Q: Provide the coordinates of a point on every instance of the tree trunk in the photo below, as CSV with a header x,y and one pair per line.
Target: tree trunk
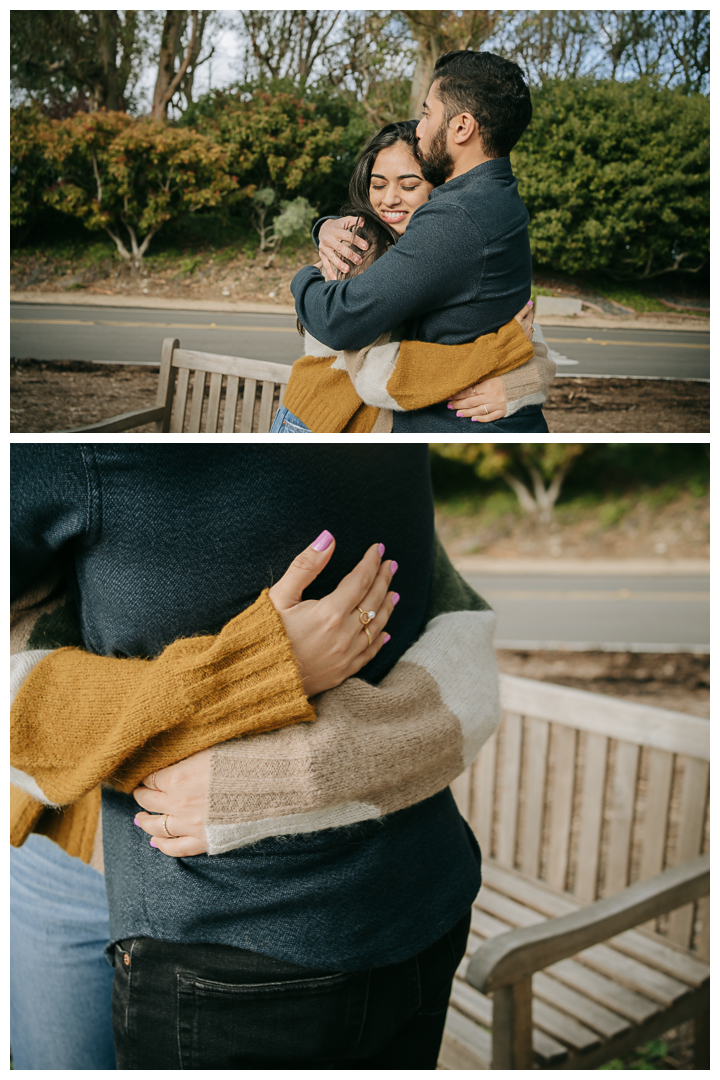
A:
x,y
168,80
107,43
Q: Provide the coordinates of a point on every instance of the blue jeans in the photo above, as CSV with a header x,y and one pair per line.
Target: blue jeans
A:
x,y
60,982
286,423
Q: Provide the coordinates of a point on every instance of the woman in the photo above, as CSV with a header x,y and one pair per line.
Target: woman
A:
x,y
387,187
325,908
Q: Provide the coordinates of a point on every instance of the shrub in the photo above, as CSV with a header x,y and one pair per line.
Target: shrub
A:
x,y
616,178
125,176
273,139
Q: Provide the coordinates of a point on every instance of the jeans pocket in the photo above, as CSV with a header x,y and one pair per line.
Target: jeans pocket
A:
x,y
230,1025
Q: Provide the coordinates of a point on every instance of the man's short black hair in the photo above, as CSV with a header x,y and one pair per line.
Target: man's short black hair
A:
x,y
491,89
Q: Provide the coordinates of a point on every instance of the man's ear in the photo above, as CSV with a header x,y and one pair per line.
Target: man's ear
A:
x,y
463,127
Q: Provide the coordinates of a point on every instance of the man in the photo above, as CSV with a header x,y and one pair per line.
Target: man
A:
x,y
463,266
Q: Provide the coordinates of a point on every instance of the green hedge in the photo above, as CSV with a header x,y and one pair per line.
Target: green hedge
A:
x,y
616,178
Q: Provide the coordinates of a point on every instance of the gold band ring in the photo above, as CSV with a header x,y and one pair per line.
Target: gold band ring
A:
x,y
169,835
366,616
151,782
487,411
369,635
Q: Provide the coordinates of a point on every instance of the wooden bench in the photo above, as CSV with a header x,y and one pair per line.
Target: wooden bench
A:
x,y
256,386
590,934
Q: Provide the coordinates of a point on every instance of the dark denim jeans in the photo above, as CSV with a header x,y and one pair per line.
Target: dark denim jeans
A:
x,y
217,1007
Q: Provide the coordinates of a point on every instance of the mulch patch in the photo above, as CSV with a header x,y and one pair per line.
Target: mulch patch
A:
x,y
55,395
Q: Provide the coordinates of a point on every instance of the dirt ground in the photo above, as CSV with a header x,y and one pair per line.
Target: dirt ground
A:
x,y
57,395
619,405
678,681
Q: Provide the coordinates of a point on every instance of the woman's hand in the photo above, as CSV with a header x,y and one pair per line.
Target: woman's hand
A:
x,y
334,237
327,636
484,402
177,800
526,318
330,644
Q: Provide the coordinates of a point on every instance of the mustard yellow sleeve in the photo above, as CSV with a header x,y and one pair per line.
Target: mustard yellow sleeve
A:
x,y
426,373
80,719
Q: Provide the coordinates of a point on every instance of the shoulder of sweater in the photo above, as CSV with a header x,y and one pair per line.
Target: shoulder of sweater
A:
x,y
456,218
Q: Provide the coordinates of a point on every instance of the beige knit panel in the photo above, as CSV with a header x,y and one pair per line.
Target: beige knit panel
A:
x,y
531,378
45,596
369,745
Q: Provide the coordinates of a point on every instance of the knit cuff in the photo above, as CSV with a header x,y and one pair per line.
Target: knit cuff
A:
x,y
248,677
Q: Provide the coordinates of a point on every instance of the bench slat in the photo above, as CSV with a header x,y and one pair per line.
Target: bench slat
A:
x,y
602,1020
657,805
621,811
563,745
508,784
690,838
196,403
483,798
266,402
598,987
592,801
231,400
464,1045
535,751
177,422
248,405
213,407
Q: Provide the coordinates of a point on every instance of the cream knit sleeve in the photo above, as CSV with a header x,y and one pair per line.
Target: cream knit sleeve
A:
x,y
529,384
372,750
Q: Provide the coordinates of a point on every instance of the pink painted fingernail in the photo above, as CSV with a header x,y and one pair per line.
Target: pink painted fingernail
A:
x,y
323,541
381,550
474,419
153,842
135,821
449,404
393,567
395,597
459,414
529,303
386,638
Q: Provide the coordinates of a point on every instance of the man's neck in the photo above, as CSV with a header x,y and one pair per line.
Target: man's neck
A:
x,y
467,161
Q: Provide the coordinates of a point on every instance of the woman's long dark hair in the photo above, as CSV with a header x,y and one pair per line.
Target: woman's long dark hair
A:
x,y
359,191
378,234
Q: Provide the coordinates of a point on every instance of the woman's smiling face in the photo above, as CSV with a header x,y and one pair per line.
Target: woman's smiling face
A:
x,y
397,187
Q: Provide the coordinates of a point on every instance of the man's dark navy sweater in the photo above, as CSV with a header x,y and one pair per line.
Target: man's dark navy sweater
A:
x,y
170,540
461,269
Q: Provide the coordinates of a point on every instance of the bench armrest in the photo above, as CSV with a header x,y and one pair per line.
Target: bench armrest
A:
x,y
125,421
509,958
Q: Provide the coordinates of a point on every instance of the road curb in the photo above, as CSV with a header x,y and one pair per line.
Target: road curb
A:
x,y
159,303
153,302
611,322
484,564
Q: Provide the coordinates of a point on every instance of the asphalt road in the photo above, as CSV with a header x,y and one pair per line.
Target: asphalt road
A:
x,y
574,611
674,354
134,335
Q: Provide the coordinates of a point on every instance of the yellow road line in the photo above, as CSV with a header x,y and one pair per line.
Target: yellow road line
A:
x,y
616,594
156,325
640,344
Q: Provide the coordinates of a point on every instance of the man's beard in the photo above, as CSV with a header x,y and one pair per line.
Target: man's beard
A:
x,y
436,165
